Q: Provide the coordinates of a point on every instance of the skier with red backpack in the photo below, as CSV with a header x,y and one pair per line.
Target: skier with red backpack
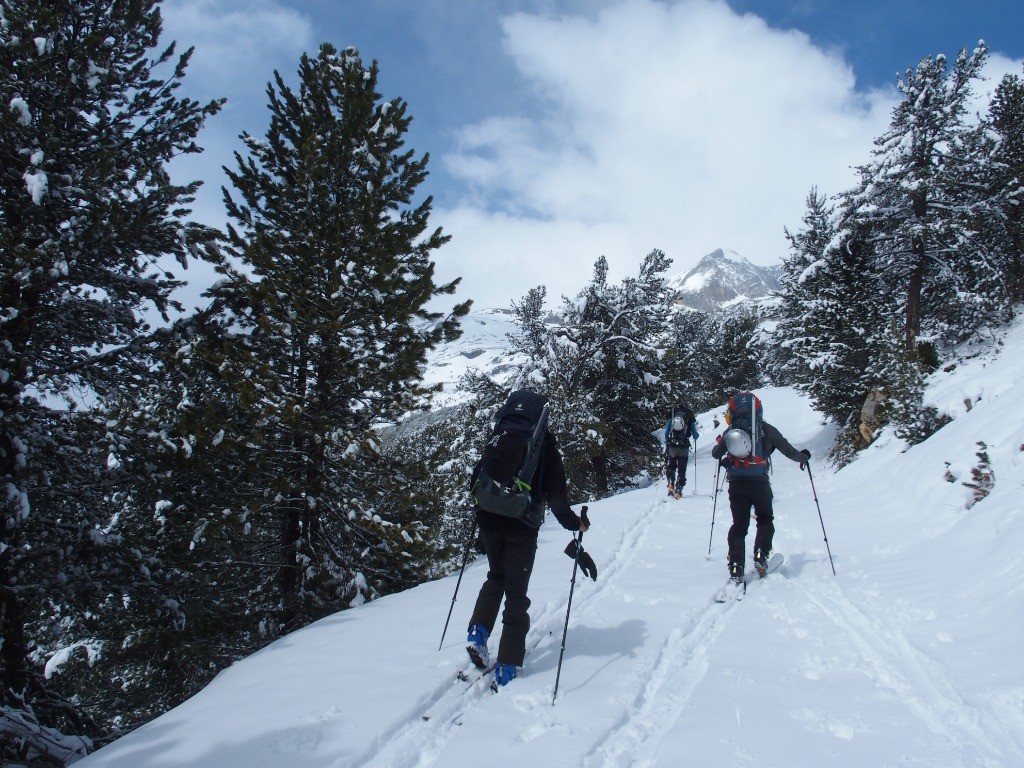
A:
x,y
745,450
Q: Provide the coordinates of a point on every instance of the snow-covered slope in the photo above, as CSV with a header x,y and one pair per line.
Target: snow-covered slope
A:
x,y
909,655
483,346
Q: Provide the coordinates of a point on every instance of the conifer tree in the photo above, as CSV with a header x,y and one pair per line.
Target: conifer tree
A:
x,y
899,376
910,198
629,389
690,367
1006,172
840,327
322,335
801,285
738,353
88,217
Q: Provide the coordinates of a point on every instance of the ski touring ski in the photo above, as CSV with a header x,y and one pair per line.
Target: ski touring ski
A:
x,y
471,677
737,589
474,674
734,589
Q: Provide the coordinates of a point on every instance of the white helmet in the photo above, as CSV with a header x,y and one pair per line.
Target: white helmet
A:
x,y
737,442
677,423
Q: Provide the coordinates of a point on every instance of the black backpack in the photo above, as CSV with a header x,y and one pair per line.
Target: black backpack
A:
x,y
509,460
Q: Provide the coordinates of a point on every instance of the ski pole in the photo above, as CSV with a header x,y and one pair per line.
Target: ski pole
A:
x,y
572,586
695,466
713,505
815,492
465,559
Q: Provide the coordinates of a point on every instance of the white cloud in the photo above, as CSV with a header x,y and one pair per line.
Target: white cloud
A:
x,y
682,126
996,68
238,44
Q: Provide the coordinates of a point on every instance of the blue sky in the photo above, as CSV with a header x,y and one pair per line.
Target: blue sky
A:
x,y
563,130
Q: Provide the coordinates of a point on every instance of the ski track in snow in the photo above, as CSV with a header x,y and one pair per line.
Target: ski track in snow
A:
x,y
893,663
664,689
664,683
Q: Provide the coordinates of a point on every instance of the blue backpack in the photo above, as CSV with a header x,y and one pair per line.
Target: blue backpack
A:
x,y
744,439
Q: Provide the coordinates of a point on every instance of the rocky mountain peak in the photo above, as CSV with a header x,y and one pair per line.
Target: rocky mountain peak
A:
x,y
722,278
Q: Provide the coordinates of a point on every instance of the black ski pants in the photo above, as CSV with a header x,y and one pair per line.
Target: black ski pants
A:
x,y
676,459
511,547
746,494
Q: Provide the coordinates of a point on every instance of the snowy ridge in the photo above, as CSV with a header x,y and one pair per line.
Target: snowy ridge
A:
x,y
483,346
908,656
723,278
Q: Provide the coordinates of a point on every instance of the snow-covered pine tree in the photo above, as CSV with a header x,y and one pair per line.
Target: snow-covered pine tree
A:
x,y
839,326
909,198
531,342
895,372
562,359
326,329
629,389
189,618
800,292
689,366
1006,175
448,443
736,361
977,192
88,218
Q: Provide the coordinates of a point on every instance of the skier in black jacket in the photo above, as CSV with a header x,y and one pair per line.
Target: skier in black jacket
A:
x,y
746,492
511,545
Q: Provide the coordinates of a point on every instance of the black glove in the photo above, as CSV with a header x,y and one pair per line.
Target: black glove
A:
x,y
586,562
587,565
807,457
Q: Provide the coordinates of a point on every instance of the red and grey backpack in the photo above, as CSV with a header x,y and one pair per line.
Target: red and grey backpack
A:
x,y
744,440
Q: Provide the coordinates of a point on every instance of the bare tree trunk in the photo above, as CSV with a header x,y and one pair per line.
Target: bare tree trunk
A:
x,y
914,287
600,465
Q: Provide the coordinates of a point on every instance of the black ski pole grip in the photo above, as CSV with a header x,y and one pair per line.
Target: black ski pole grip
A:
x,y
583,516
